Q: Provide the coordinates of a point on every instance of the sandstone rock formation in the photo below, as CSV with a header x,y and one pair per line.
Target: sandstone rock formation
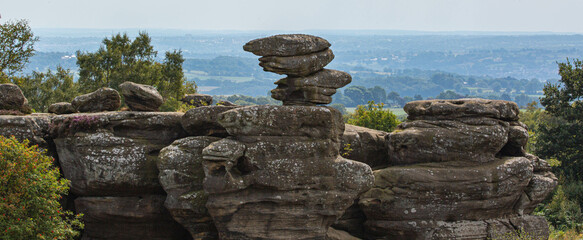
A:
x,y
302,57
12,98
280,176
202,121
197,100
458,171
62,108
140,97
103,99
365,145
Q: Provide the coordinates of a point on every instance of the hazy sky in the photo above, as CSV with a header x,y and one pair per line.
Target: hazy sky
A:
x,y
424,15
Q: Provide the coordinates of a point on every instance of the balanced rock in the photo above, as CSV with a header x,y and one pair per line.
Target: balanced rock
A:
x,y
280,175
12,98
140,97
181,176
197,100
302,65
104,99
317,88
203,121
286,45
62,108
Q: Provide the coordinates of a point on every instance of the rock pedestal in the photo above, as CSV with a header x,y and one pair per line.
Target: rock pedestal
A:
x,y
458,171
280,175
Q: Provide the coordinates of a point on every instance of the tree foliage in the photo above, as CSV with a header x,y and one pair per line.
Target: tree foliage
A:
x,y
16,47
120,59
374,116
44,89
30,189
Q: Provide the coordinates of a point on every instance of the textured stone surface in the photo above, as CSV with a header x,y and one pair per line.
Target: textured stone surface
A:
x,y
470,139
103,99
12,98
286,45
266,120
181,176
117,156
33,127
317,88
140,97
470,107
272,180
335,234
365,145
197,99
517,139
302,65
62,108
140,217
202,121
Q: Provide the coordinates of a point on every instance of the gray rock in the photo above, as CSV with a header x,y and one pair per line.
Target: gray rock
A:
x,y
33,128
317,88
181,176
365,145
12,98
140,217
517,139
62,108
335,234
197,100
302,65
202,121
104,99
460,108
286,45
141,97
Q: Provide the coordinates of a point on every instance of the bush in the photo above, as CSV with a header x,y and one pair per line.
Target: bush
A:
x,y
374,116
30,189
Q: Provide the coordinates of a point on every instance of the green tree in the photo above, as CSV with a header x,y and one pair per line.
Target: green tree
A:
x,y
16,47
120,59
374,116
561,137
30,189
44,89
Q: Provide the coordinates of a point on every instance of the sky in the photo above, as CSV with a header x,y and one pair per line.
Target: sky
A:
x,y
563,16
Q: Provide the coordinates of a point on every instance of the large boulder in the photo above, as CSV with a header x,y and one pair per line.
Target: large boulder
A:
x,y
203,121
181,175
302,65
140,97
286,45
12,98
103,99
460,108
62,108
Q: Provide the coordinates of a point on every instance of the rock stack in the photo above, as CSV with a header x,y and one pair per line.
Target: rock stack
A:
x,y
459,171
302,58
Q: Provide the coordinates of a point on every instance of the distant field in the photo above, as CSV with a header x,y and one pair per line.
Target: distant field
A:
x,y
397,111
191,76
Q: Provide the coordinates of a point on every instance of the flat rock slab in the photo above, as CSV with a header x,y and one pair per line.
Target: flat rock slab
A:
x,y
469,107
302,65
286,45
140,97
62,108
104,99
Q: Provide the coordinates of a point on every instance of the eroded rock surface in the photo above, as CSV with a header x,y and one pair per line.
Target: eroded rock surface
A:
x,y
103,99
62,108
140,97
197,100
12,98
203,121
286,45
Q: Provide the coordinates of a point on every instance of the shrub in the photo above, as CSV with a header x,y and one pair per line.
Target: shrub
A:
x,y
30,189
374,116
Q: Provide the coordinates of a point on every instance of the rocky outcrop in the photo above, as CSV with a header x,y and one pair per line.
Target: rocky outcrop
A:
x,y
33,128
365,145
280,176
302,58
103,99
458,168
111,159
12,98
62,108
202,121
197,100
140,97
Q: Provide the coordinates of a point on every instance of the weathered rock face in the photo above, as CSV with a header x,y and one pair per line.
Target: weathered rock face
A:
x,y
62,108
181,176
202,121
317,88
459,170
302,65
104,99
33,127
12,98
286,45
141,97
365,145
197,100
273,180
111,160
